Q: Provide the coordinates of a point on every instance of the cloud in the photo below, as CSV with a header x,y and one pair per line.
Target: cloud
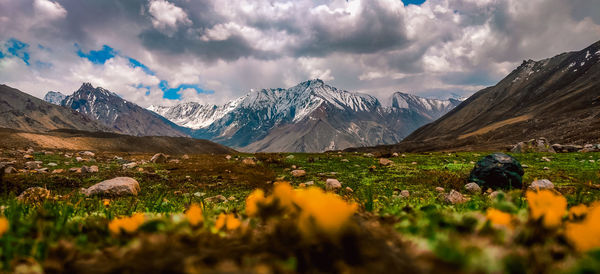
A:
x,y
166,16
231,46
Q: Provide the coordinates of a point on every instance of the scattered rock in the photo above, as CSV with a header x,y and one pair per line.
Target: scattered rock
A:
x,y
348,189
385,162
34,195
566,148
404,194
75,169
497,171
228,157
395,154
290,157
541,184
10,170
368,155
231,198
533,145
185,157
248,162
455,197
524,166
87,153
42,170
332,184
439,189
345,160
175,161
58,171
473,188
546,168
495,194
118,186
159,158
310,183
546,159
52,164
413,163
298,173
294,167
32,165
79,159
129,165
216,199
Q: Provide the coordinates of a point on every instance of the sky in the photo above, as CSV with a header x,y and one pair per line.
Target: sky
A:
x,y
164,52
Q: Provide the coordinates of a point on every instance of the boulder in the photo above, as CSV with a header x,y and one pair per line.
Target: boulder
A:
x,y
159,158
473,188
34,195
385,162
332,184
455,197
298,173
248,162
541,184
118,186
534,145
497,171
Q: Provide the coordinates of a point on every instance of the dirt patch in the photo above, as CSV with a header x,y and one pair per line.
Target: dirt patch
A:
x,y
495,126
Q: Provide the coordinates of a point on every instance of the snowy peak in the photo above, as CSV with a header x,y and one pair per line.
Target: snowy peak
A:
x,y
54,97
433,108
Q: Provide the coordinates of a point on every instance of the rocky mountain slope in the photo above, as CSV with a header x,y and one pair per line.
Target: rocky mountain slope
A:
x,y
557,98
309,117
22,111
115,112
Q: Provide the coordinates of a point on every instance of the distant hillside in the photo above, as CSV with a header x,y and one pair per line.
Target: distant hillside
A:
x,y
19,110
557,98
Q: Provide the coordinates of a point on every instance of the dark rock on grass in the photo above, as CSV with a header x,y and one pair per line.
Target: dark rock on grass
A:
x,y
498,171
114,187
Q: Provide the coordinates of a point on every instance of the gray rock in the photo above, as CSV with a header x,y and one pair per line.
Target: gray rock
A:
x,y
473,188
439,189
298,173
541,184
129,165
332,184
32,165
87,153
216,199
385,162
404,193
497,171
118,186
52,164
159,158
455,197
10,170
310,183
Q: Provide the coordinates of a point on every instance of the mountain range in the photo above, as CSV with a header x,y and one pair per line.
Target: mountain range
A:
x,y
309,117
557,98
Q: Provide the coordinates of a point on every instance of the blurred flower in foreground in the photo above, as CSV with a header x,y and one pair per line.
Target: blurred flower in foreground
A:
x,y
252,202
127,224
585,235
547,205
194,215
106,202
3,225
577,211
498,217
227,221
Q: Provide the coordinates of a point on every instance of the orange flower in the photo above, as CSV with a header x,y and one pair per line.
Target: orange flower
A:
x,y
254,199
127,224
322,211
547,205
4,225
585,235
194,215
227,221
577,211
106,202
499,218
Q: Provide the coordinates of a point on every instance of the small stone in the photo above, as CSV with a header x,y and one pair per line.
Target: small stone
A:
x,y
332,184
42,170
79,159
231,198
546,168
524,166
404,193
216,199
298,173
368,155
290,157
455,197
75,169
58,171
546,159
185,157
227,157
32,165
294,167
395,154
87,153
348,189
541,184
385,162
199,194
495,194
248,162
10,170
93,169
114,187
52,164
473,188
439,189
159,158
85,169
310,183
414,163
129,165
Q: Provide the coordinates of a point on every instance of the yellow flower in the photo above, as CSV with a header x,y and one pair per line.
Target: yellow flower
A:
x,y
498,217
228,221
547,205
284,193
4,225
585,235
106,202
256,197
127,224
577,211
194,215
322,211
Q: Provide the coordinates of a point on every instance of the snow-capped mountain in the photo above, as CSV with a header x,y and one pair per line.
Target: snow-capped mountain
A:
x,y
309,117
54,97
113,111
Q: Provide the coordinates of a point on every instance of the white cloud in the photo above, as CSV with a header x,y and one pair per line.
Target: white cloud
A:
x,y
49,9
166,16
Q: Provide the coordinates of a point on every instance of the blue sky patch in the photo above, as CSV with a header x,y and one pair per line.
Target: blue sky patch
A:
x,y
18,49
98,57
413,2
173,93
135,64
